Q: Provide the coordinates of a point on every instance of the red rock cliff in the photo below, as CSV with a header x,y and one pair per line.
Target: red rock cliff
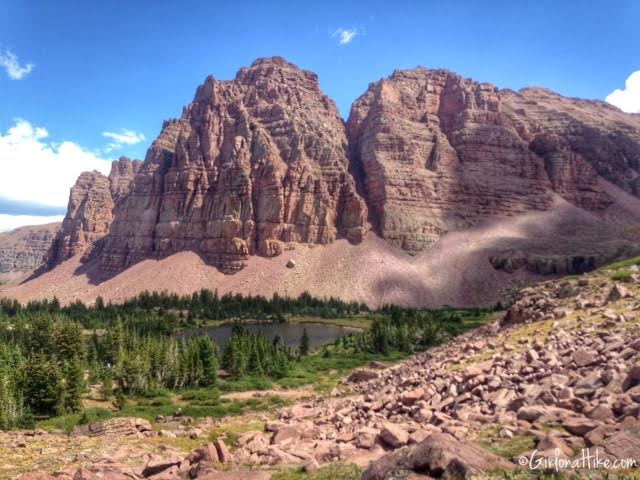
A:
x,y
440,152
263,162
253,166
92,201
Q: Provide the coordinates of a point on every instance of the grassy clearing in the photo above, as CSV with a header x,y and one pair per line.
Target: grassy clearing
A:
x,y
245,384
508,448
361,322
232,430
324,370
621,275
333,471
149,408
622,264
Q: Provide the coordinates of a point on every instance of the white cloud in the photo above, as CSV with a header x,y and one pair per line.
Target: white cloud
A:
x,y
627,100
346,35
125,137
12,66
11,222
36,170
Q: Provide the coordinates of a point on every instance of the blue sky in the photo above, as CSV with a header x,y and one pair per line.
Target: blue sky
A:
x,y
121,68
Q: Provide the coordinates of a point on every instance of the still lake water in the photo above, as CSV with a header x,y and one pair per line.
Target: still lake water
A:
x,y
290,333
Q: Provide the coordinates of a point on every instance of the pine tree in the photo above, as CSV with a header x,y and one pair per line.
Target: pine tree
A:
x,y
67,340
42,381
74,385
40,338
107,385
379,337
120,400
304,343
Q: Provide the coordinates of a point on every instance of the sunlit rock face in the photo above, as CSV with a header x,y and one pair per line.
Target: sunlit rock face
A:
x,y
262,163
253,166
440,152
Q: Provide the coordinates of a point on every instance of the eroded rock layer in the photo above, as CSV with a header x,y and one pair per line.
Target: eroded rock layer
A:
x,y
92,201
263,162
252,166
26,248
439,152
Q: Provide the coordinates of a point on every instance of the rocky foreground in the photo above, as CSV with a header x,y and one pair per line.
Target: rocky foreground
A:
x,y
558,374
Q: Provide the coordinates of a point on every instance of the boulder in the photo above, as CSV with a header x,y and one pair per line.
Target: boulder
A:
x,y
584,357
394,435
617,292
124,426
206,453
362,375
440,455
632,378
412,396
580,426
625,443
224,454
158,464
288,434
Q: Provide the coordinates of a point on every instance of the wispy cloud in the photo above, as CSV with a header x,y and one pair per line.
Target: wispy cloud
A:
x,y
627,100
346,35
125,137
12,65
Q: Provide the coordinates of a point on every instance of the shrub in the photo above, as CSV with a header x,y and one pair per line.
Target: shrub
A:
x,y
621,275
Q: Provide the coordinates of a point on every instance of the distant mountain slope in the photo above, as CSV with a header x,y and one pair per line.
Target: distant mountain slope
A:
x,y
25,248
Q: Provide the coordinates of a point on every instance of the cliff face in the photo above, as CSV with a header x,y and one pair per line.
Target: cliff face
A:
x,y
253,166
90,212
263,162
440,152
26,248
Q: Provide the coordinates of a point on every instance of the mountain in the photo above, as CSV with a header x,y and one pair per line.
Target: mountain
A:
x,y
90,212
25,249
252,166
440,152
438,189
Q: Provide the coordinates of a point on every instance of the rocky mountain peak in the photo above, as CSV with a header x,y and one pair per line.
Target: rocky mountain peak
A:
x,y
440,152
122,172
261,163
254,165
90,211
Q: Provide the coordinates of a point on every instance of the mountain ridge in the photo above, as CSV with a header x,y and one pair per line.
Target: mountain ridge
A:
x,y
263,164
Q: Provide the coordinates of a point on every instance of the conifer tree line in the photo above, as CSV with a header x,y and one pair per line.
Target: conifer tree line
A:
x,y
409,330
255,355
50,353
46,362
41,367
202,305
